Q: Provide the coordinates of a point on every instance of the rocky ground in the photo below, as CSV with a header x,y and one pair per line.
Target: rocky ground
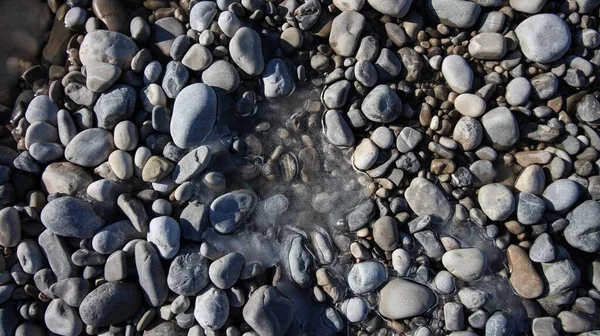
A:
x,y
379,167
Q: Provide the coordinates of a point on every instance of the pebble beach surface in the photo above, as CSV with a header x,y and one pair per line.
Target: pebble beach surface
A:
x,y
317,167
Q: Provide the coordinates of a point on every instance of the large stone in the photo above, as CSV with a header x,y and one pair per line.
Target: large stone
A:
x,y
457,73
415,298
71,217
10,227
543,38
153,280
382,105
90,147
345,32
393,8
246,51
188,273
468,264
455,13
111,303
212,308
583,231
501,128
366,276
496,201
268,312
425,198
524,279
115,105
194,115
107,47
229,211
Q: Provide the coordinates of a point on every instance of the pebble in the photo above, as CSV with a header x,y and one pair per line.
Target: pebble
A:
x,y
10,227
346,29
30,256
344,5
499,324
401,261
524,279
246,51
230,210
496,201
388,65
337,130
156,168
355,309
560,195
110,303
588,110
212,308
365,73
468,264
472,298
543,38
542,250
455,13
408,139
164,233
115,268
470,105
425,198
560,276
468,132
202,14
531,180
121,164
71,217
194,221
58,254
221,75
444,282
115,236
396,9
164,33
457,73
385,233
501,128
300,262
90,147
152,278
487,46
72,290
40,132
188,273
62,319
42,108
366,276
224,272
194,115
382,105
530,208
197,58
365,155
112,13
547,326
46,152
518,91
229,23
101,76
358,217
584,227
307,14
175,78
278,79
266,311
107,47
529,7
416,299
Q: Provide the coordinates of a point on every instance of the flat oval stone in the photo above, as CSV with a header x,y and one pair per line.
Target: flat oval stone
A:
x,y
90,147
246,51
42,108
153,280
337,130
365,155
194,115
393,8
192,164
560,195
457,73
114,236
336,94
10,227
225,271
455,13
416,299
468,264
382,105
107,47
470,105
543,38
110,303
71,217
229,211
425,198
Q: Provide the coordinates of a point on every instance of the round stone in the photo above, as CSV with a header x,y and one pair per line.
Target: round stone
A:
x,y
71,217
415,297
560,195
194,115
468,264
366,276
457,73
468,132
496,201
229,211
